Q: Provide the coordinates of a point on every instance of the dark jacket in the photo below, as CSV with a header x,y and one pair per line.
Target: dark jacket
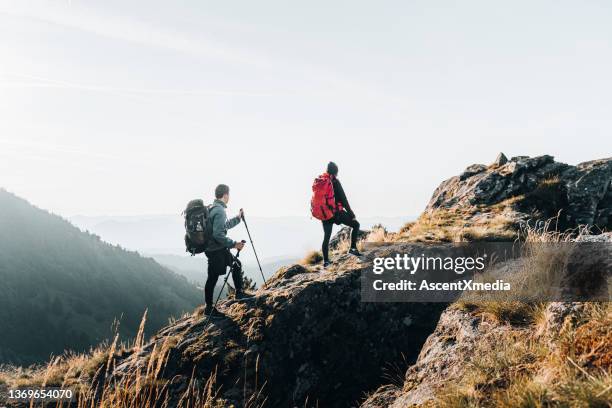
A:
x,y
341,196
220,224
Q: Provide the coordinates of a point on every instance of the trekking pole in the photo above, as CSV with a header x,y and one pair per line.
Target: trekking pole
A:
x,y
254,251
223,286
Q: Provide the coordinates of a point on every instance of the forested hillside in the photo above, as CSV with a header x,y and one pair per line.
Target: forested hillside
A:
x,y
61,288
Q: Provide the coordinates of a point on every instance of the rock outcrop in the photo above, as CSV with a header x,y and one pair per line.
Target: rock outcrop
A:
x,y
306,339
442,360
469,357
535,188
469,339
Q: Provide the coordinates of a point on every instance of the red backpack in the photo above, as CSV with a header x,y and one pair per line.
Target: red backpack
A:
x,y
323,203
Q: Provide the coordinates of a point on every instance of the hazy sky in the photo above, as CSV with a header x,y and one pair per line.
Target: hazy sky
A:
x,y
134,107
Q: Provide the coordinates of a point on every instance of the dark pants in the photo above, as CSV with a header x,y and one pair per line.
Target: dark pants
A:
x,y
341,217
218,261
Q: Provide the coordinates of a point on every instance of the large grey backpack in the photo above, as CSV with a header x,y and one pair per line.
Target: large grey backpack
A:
x,y
197,227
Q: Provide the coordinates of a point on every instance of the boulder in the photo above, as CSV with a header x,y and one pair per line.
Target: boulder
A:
x,y
500,160
472,170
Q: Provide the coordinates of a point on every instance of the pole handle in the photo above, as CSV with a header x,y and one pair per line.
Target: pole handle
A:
x,y
238,252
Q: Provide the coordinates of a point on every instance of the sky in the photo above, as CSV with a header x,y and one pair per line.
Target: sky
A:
x,y
135,107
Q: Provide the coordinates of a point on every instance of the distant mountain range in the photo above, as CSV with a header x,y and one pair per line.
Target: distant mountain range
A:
x,y
63,288
278,240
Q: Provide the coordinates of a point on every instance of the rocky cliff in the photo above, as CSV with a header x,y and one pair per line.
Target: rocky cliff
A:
x,y
560,354
306,339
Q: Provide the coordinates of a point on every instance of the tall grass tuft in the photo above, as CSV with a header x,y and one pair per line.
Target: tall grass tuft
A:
x,y
312,258
146,386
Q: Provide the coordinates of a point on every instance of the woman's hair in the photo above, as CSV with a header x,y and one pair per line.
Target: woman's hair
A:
x,y
332,168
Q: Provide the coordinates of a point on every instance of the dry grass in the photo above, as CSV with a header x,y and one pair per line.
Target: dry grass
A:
x,y
70,370
405,229
588,340
545,254
593,343
147,390
526,366
379,234
461,225
440,225
499,361
511,312
312,258
518,368
74,370
146,387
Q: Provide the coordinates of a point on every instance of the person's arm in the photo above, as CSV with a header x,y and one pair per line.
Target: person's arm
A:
x,y
220,231
341,198
232,222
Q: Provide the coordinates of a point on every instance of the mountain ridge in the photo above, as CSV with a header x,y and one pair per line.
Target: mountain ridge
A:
x,y
63,288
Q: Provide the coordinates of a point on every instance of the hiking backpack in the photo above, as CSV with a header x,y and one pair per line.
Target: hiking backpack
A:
x,y
197,228
323,202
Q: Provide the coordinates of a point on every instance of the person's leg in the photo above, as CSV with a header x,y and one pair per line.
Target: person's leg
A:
x,y
354,224
344,218
327,230
216,268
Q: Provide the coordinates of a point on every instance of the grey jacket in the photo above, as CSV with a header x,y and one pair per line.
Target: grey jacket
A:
x,y
220,224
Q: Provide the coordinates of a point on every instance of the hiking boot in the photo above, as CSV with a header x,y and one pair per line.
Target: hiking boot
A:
x,y
354,251
243,295
212,312
326,264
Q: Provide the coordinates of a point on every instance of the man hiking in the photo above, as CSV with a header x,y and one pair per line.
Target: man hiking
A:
x,y
330,205
218,250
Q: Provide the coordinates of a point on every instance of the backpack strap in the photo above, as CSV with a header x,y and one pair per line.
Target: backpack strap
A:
x,y
210,220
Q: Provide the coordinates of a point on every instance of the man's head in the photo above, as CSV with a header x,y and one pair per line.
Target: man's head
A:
x,y
332,168
222,193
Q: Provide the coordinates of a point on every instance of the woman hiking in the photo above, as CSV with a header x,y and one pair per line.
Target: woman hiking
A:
x,y
332,207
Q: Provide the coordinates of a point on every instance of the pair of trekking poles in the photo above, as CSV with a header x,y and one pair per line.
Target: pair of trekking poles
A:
x,y
237,264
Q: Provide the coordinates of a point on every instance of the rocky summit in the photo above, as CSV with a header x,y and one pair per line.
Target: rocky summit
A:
x,y
497,202
533,188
